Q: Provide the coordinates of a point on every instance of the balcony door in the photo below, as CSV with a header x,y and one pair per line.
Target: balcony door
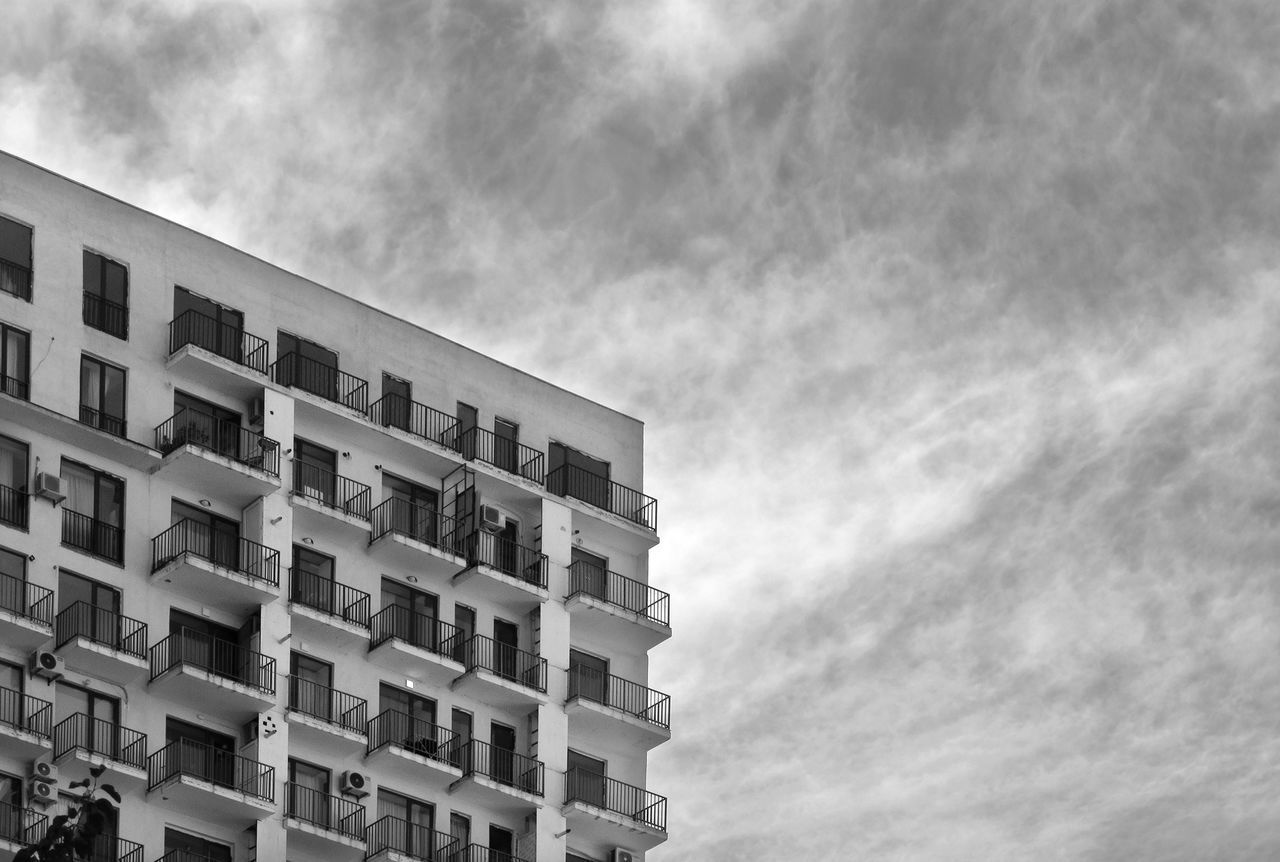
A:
x,y
501,841
460,722
416,731
98,617
309,792
583,477
460,831
15,362
415,618
417,820
313,581
214,538
590,676
13,482
467,418
506,637
464,620
587,778
396,396
310,681
98,501
11,820
202,752
313,368
414,513
13,582
208,645
502,750
193,847
98,731
212,326
506,445
315,472
205,424
590,573
102,395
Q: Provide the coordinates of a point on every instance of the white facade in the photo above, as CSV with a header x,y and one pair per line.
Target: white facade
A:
x,y
211,691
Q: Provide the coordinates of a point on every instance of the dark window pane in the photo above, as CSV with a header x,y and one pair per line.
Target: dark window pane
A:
x,y
15,243
115,286
92,273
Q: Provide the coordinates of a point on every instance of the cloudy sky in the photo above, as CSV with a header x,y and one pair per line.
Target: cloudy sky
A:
x,y
953,324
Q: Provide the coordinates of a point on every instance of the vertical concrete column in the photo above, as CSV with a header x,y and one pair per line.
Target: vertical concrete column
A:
x,y
553,725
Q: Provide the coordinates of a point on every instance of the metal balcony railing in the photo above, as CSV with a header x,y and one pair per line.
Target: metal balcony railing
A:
x,y
508,557
503,766
419,523
395,622
110,848
88,534
333,813
15,280
229,552
27,600
116,426
420,843
325,381
15,386
506,661
635,803
98,736
570,481
14,507
613,588
392,727
481,444
329,597
26,713
110,317
328,704
396,411
230,342
186,757
190,648
103,626
630,697
331,490
21,825
187,856
480,853
191,427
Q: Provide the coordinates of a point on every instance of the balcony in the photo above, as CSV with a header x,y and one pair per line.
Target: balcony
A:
x,y
598,491
329,610
221,458
601,810
26,723
417,420
395,840
502,675
322,826
19,828
14,508
412,751
499,779
116,426
415,646
480,853
95,742
215,568
219,355
26,613
101,642
504,571
91,536
191,776
417,538
17,387
15,280
325,715
480,444
209,674
105,315
604,708
109,848
336,499
323,381
598,599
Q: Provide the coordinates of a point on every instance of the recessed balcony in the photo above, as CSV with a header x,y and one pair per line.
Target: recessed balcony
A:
x,y
26,613
91,536
209,674
189,776
322,381
19,828
101,642
417,538
326,716
39,420
105,315
599,600
415,646
502,675
601,810
499,779
390,839
322,826
605,709
412,751
14,508
510,456
219,355
504,571
329,610
214,568
323,500
91,742
26,723
601,493
219,457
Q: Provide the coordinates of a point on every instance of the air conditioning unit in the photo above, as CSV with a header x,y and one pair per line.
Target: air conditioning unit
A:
x,y
491,518
49,486
256,411
620,855
355,784
47,664
42,792
44,770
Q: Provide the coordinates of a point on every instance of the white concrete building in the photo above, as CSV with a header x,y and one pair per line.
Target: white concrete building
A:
x,y
312,583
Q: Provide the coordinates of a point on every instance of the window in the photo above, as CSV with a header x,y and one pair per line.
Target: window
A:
x,y
315,472
13,582
207,535
396,397
15,259
467,418
588,573
460,829
93,513
106,295
312,582
464,620
412,722
502,749
98,731
501,841
585,778
98,615
310,684
588,676
197,422
414,512
306,365
414,616
102,396
308,793
506,445
211,646
185,846
409,830
15,362
576,474
204,323
13,483
12,823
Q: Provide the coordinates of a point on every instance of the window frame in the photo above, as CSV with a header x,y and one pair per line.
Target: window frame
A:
x,y
95,320
21,387
24,294
104,421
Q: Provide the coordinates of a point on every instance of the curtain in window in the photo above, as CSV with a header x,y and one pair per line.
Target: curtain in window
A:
x,y
78,485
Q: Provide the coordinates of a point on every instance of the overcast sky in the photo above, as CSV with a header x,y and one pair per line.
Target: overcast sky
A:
x,y
953,325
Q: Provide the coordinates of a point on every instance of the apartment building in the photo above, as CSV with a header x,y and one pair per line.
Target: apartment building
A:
x,y
310,582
